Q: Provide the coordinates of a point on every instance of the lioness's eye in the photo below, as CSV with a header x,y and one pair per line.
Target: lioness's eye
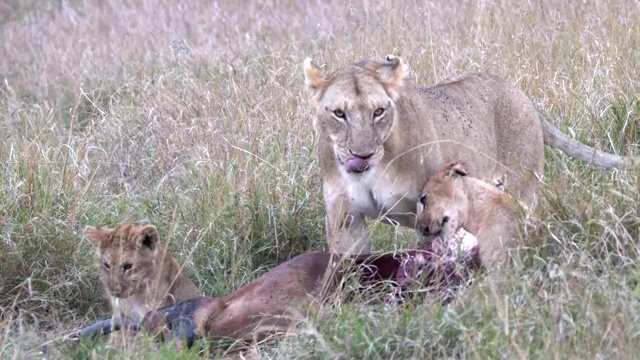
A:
x,y
423,200
127,267
106,265
378,112
338,113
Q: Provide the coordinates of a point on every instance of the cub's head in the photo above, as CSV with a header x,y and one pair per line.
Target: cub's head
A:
x,y
127,256
355,108
446,202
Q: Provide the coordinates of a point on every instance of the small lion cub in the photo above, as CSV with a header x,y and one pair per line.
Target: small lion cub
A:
x,y
137,271
454,200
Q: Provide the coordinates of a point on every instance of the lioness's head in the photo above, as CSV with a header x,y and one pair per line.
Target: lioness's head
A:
x,y
446,203
127,256
355,108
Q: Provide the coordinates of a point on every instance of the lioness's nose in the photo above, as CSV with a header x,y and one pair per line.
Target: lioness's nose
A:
x,y
116,288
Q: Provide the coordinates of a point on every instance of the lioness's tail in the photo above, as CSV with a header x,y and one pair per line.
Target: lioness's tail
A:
x,y
557,140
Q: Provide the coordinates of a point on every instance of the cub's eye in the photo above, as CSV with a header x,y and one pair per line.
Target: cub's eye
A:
x,y
423,200
127,267
378,112
339,113
106,265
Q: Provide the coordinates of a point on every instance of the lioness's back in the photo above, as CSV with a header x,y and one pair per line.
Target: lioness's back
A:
x,y
487,118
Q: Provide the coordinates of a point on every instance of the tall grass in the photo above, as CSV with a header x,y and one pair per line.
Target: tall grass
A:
x,y
191,116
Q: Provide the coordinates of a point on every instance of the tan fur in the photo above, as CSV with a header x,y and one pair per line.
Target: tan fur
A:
x,y
273,302
155,278
278,299
477,118
270,304
452,200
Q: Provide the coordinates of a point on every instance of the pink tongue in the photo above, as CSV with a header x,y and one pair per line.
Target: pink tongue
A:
x,y
356,164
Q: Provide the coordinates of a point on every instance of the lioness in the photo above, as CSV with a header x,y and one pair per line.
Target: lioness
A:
x,y
380,138
453,200
137,272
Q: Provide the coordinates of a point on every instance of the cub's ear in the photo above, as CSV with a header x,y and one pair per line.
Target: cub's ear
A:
x,y
313,81
95,234
455,169
149,237
392,73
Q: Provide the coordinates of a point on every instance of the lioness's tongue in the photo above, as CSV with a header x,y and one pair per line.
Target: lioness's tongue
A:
x,y
356,164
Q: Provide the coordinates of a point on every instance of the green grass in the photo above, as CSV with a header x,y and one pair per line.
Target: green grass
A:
x,y
192,116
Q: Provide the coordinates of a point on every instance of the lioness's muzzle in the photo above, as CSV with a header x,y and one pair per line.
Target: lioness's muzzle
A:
x,y
356,164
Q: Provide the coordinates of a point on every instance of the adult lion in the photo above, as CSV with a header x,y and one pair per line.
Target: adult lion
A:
x,y
380,138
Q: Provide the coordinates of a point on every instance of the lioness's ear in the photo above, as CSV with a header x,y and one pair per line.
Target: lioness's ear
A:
x,y
392,73
455,169
149,237
95,234
313,80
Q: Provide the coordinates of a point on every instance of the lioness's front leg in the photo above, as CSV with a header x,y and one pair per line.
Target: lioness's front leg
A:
x,y
347,231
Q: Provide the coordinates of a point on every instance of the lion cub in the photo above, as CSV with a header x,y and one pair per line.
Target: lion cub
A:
x,y
137,271
453,200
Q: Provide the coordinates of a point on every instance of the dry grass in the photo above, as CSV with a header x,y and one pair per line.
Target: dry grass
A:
x,y
191,115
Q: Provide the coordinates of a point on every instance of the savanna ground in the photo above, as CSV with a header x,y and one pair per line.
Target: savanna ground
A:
x,y
191,116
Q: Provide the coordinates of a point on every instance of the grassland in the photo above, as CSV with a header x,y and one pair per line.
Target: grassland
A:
x,y
191,115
